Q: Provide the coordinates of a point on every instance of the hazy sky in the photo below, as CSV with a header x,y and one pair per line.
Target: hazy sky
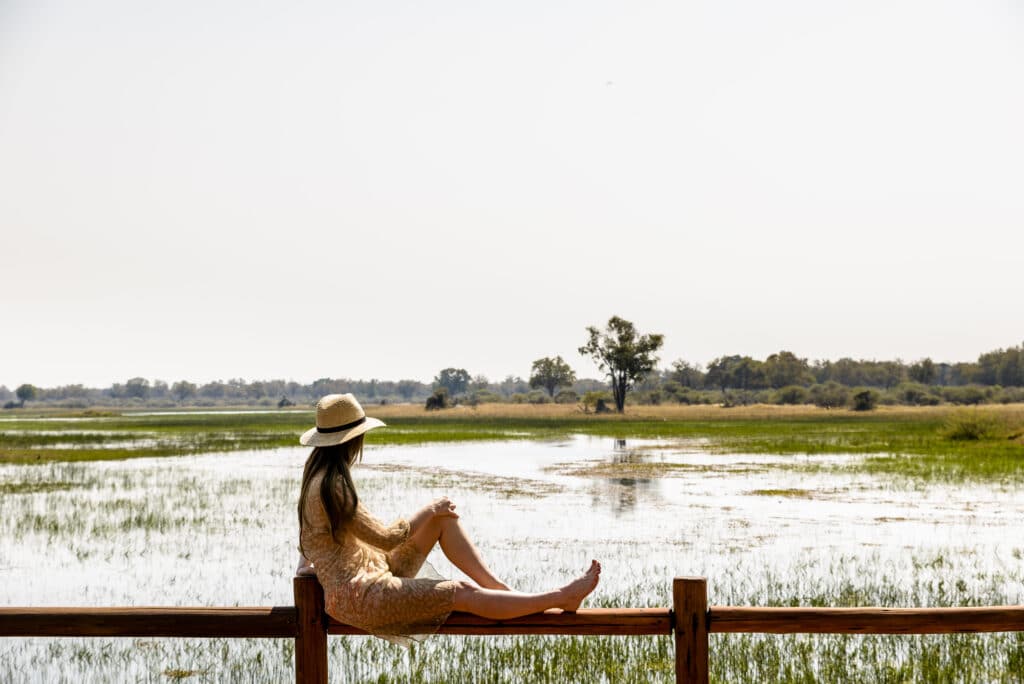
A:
x,y
301,189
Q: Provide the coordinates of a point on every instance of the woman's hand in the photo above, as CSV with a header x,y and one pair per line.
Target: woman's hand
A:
x,y
443,508
439,508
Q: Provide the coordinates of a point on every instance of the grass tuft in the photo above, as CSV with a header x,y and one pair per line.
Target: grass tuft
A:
x,y
973,425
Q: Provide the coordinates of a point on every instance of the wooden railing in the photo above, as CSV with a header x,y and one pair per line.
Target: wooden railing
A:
x,y
690,620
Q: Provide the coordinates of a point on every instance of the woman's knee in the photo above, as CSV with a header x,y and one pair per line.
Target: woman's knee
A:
x,y
447,522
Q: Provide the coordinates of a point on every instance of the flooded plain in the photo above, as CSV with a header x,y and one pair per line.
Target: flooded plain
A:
x,y
220,529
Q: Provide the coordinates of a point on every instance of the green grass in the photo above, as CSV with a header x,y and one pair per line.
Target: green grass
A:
x,y
911,443
786,493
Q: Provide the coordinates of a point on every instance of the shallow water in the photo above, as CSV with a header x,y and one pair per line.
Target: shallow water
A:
x,y
220,529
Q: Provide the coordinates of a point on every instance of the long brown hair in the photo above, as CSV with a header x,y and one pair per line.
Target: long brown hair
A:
x,y
335,463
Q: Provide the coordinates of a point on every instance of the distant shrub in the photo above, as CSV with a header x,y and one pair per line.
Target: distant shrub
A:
x,y
517,398
686,396
538,397
973,426
566,397
865,400
830,395
738,398
484,396
968,395
1009,395
792,394
916,394
671,390
650,398
438,400
594,399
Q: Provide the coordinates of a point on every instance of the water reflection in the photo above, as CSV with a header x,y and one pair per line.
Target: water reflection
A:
x,y
621,494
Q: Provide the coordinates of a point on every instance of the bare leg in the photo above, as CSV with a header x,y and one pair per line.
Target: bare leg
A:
x,y
502,605
459,549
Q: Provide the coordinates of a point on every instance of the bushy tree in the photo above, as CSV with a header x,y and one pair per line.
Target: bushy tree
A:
x,y
182,390
455,380
551,374
686,374
922,372
865,400
26,392
735,372
136,388
784,369
622,353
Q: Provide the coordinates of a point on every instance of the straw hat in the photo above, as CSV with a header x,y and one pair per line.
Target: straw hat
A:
x,y
339,418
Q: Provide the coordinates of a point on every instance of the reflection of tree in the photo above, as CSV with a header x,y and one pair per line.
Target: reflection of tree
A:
x,y
621,494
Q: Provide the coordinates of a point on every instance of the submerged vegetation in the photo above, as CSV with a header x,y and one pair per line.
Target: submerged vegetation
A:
x,y
983,443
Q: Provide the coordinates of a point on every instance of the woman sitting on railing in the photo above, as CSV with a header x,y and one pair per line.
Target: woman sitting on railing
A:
x,y
375,576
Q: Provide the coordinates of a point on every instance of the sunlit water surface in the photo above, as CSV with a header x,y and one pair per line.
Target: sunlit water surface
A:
x,y
220,529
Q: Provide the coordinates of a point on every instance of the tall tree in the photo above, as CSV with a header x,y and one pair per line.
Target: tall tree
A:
x,y
622,353
551,374
455,380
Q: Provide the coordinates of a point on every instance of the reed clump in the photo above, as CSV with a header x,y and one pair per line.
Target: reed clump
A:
x,y
973,425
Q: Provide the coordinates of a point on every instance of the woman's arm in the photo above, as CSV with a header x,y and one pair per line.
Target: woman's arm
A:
x,y
374,532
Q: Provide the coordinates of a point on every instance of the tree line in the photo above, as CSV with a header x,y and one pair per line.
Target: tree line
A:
x,y
630,363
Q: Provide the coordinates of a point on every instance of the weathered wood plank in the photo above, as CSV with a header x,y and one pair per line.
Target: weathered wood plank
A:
x,y
262,622
690,608
611,621
311,640
869,620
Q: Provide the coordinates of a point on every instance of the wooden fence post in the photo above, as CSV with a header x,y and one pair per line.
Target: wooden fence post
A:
x,y
311,641
690,606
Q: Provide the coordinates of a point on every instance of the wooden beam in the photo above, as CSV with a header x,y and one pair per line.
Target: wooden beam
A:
x,y
731,619
690,608
311,640
612,621
265,622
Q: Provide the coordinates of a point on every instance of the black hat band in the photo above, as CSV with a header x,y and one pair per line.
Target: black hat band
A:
x,y
339,428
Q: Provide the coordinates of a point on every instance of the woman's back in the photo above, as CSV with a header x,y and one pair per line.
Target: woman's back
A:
x,y
368,572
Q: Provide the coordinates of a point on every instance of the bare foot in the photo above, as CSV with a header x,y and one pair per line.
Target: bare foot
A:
x,y
578,589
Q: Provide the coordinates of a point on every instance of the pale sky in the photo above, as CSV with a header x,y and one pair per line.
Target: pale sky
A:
x,y
203,190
